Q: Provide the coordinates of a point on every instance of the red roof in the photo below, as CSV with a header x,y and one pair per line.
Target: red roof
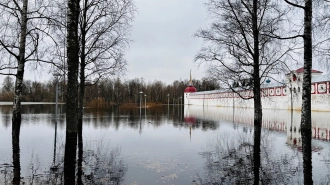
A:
x,y
301,70
190,89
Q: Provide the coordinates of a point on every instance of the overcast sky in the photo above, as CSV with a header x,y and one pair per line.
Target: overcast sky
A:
x,y
164,45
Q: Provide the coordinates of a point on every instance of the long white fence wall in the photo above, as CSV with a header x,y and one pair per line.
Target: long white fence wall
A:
x,y
272,98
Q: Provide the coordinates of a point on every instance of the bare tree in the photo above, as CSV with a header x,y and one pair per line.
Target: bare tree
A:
x,y
24,29
306,118
7,84
104,27
241,52
321,25
72,92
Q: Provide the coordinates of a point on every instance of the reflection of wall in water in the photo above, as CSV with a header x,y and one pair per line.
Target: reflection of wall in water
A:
x,y
276,120
320,128
238,115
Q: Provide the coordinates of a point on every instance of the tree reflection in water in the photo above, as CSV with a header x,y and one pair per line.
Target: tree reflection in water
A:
x,y
229,160
16,127
101,164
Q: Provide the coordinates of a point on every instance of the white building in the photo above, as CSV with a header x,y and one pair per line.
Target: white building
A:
x,y
275,95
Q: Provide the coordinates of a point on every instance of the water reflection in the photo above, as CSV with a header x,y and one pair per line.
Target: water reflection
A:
x,y
229,160
223,159
167,145
283,121
132,118
99,162
16,127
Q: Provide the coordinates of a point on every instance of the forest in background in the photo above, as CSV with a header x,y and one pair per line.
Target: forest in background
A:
x,y
107,91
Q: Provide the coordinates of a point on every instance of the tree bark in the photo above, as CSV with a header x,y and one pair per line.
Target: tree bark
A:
x,y
17,115
256,97
20,67
306,121
80,153
72,92
81,92
82,66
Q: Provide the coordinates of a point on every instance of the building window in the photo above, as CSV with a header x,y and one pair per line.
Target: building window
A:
x,y
294,77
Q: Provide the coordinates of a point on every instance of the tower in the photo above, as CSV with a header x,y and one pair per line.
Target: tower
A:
x,y
188,90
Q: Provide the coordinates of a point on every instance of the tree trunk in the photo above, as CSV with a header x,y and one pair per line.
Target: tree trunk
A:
x,y
16,127
17,115
256,96
82,64
81,93
20,67
306,122
80,153
72,92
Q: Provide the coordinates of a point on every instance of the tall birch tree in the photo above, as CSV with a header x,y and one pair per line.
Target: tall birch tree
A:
x,y
23,28
306,117
104,27
72,92
239,50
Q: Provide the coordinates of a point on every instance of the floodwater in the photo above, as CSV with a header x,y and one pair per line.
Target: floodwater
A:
x,y
169,145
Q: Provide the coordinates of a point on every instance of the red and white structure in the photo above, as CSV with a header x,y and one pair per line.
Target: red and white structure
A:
x,y
275,95
188,90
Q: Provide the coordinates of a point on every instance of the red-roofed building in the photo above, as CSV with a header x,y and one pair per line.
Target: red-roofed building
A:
x,y
301,70
188,90
297,75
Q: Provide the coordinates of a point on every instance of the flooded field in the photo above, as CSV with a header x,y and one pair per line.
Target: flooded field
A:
x,y
169,145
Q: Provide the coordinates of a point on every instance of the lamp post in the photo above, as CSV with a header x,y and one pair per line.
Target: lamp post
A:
x,y
56,94
54,167
168,103
145,107
140,101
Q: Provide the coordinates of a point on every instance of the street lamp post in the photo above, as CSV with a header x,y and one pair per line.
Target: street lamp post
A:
x,y
56,94
56,98
168,102
140,100
145,101
168,99
53,167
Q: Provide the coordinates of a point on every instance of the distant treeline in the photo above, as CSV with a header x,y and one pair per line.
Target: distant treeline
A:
x,y
114,91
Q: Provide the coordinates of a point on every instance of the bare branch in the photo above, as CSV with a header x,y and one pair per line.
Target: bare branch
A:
x,y
293,4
